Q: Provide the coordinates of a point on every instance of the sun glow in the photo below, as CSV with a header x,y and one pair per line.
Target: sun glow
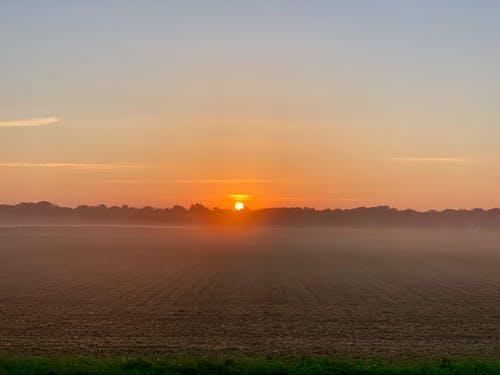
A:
x,y
238,206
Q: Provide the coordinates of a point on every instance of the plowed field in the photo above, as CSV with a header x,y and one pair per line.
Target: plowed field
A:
x,y
153,290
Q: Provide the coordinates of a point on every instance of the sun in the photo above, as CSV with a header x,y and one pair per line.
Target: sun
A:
x,y
238,206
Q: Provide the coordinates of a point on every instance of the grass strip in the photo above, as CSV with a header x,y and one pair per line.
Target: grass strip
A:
x,y
240,365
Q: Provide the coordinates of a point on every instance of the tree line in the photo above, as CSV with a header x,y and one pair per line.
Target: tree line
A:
x,y
198,214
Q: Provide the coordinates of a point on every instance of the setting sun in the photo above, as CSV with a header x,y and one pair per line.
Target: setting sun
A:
x,y
238,206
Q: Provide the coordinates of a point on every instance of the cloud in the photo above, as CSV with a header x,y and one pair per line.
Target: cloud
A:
x,y
346,199
29,122
201,181
432,160
240,196
85,166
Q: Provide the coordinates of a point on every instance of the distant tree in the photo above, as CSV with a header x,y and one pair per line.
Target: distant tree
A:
x,y
198,208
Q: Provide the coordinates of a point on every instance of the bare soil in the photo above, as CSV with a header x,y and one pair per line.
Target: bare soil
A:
x,y
152,290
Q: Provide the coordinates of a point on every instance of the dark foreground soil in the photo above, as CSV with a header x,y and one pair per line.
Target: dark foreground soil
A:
x,y
343,293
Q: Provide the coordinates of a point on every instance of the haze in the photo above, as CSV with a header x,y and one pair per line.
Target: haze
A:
x,y
346,293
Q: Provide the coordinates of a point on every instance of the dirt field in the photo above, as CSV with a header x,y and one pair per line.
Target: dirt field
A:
x,y
383,293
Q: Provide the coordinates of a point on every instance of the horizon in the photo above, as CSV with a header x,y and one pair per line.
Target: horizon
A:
x,y
247,208
318,104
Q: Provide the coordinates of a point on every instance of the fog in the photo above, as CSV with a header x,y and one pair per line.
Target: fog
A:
x,y
212,290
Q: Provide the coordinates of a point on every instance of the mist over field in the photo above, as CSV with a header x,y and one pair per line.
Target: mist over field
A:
x,y
384,293
45,213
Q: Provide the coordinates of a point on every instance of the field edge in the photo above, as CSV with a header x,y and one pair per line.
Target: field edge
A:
x,y
45,365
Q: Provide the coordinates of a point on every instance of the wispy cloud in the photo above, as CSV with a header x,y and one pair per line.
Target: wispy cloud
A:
x,y
41,121
347,199
240,196
84,166
195,181
433,160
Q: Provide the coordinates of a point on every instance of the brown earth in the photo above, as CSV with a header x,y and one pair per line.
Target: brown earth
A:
x,y
350,293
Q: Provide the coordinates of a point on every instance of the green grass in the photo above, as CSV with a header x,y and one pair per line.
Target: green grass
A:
x,y
241,365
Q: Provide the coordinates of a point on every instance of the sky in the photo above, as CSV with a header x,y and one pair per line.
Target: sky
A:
x,y
325,104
